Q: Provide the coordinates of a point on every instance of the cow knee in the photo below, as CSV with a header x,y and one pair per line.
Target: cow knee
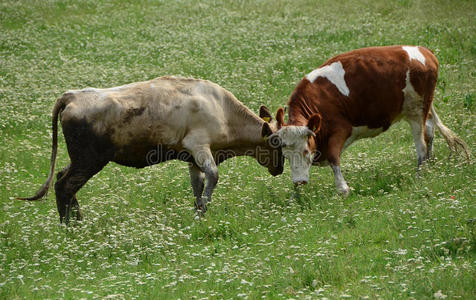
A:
x,y
59,175
59,187
212,177
211,173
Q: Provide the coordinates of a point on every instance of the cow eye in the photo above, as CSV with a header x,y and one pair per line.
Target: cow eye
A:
x,y
305,152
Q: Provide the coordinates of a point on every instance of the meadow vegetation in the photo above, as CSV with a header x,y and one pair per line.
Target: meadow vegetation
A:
x,y
395,236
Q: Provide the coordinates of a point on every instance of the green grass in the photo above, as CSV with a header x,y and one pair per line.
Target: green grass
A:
x,y
396,236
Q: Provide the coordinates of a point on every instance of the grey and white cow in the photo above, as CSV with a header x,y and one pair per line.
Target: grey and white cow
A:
x,y
145,123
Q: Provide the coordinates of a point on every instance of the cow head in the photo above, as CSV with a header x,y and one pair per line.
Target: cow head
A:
x,y
271,156
298,145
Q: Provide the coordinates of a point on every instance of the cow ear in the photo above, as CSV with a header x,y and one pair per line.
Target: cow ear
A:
x,y
265,114
266,131
280,117
314,123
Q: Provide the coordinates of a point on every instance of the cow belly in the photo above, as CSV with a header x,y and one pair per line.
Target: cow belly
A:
x,y
140,156
360,132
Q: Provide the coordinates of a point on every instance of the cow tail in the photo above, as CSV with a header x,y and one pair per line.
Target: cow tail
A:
x,y
59,106
455,143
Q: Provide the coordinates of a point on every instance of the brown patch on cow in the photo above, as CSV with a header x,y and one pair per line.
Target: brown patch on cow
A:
x,y
314,123
280,117
131,113
265,114
185,90
194,106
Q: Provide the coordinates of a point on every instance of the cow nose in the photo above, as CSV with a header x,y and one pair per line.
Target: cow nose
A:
x,y
298,183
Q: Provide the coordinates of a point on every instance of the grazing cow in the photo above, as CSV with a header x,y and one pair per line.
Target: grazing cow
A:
x,y
145,123
356,95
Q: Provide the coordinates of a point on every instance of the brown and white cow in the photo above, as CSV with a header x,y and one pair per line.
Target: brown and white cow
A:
x,y
145,123
360,94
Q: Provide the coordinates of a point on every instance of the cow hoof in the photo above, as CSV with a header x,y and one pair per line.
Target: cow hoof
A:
x,y
200,207
76,214
198,214
344,191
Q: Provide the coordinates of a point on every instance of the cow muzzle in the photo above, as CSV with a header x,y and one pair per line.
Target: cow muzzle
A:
x,y
300,176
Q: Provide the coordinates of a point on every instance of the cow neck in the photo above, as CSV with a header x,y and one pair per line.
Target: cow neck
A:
x,y
245,129
247,136
300,110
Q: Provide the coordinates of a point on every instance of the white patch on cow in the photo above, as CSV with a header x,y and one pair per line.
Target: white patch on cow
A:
x,y
412,111
408,90
334,73
293,135
360,132
296,150
413,103
120,88
414,53
72,91
199,88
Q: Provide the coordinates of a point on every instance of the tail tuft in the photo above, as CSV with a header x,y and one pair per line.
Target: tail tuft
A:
x,y
455,143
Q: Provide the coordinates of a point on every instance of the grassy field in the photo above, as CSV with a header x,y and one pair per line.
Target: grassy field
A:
x,y
395,237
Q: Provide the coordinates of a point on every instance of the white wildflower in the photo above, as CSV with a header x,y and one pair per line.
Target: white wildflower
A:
x,y
439,295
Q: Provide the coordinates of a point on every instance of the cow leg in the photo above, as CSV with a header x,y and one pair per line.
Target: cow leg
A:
x,y
428,119
211,173
205,162
336,144
418,137
74,201
339,181
429,135
75,176
197,179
